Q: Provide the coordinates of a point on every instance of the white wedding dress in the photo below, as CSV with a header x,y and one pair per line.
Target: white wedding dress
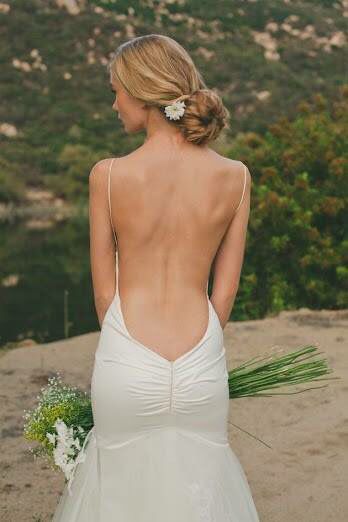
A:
x,y
158,450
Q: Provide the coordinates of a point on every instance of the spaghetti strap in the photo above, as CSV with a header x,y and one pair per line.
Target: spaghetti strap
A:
x,y
112,226
241,199
109,199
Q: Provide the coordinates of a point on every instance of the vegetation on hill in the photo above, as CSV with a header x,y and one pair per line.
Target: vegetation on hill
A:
x,y
297,252
279,67
56,117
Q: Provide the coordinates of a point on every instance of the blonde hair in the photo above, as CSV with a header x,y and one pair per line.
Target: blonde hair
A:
x,y
157,70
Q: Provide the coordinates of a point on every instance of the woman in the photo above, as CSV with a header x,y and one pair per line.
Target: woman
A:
x,y
172,210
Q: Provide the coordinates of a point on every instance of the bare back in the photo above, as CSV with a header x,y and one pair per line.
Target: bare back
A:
x,y
170,217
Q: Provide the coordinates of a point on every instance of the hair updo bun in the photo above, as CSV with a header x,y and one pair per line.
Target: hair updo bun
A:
x,y
157,70
204,118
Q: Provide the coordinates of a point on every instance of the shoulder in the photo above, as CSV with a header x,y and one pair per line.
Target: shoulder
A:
x,y
99,173
231,167
237,170
100,168
246,175
236,185
236,167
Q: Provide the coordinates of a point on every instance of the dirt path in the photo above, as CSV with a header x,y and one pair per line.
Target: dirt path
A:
x,y
301,478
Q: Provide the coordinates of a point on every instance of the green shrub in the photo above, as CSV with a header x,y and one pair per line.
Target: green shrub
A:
x,y
296,246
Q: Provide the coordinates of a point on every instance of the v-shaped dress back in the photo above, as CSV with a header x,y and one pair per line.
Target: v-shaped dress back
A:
x,y
159,449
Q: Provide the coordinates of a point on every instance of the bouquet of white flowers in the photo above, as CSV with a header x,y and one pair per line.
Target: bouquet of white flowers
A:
x,y
63,419
60,423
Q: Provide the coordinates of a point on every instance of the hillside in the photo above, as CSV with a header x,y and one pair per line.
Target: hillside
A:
x,y
56,118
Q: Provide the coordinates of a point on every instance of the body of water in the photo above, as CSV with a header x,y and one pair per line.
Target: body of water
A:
x,y
46,289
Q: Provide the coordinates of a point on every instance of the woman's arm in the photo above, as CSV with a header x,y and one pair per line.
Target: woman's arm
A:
x,y
228,260
102,244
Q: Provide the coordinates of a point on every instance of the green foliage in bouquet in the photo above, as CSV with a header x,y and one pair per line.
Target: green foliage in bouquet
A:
x,y
57,402
254,377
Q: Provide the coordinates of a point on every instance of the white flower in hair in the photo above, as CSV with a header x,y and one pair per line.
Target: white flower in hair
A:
x,y
175,110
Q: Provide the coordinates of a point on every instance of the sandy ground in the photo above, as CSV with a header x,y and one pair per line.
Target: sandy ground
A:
x,y
301,478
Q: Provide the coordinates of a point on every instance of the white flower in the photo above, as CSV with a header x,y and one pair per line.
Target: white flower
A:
x,y
51,437
64,453
81,457
61,427
77,443
175,110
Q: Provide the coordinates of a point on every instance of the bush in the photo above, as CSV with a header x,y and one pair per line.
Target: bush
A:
x,y
297,249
